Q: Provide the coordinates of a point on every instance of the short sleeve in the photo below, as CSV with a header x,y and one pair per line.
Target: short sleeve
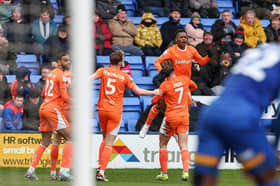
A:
x,y
130,83
99,72
164,87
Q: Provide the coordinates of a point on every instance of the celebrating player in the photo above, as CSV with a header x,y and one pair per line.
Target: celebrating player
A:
x,y
52,118
66,107
176,95
110,103
181,56
253,84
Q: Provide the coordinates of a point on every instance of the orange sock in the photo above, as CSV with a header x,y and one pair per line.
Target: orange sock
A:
x,y
105,157
185,159
163,159
101,147
54,156
37,155
152,114
66,161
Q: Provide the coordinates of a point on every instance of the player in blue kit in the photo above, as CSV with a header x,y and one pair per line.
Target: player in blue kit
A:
x,y
232,120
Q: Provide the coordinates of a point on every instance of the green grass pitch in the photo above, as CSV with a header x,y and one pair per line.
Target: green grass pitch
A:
x,y
119,177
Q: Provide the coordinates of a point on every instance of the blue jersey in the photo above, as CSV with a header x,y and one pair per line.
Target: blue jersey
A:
x,y
255,78
232,120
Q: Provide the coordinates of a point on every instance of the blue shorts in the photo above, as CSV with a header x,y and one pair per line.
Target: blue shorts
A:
x,y
232,123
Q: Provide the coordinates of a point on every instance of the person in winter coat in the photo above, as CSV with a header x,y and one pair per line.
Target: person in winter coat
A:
x,y
13,113
253,30
22,84
102,36
206,8
123,32
57,44
272,31
169,28
148,35
223,29
195,30
31,119
107,9
236,47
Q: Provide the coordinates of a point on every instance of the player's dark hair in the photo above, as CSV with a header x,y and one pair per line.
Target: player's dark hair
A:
x,y
116,57
167,68
61,54
179,31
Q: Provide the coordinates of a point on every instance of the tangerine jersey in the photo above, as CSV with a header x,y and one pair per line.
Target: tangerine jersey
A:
x,y
113,83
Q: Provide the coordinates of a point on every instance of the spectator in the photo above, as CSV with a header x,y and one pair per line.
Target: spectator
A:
x,y
123,32
5,94
262,8
5,11
66,20
223,29
157,7
7,55
195,30
56,44
107,9
32,9
272,31
205,8
148,35
253,30
62,7
236,47
169,28
13,113
18,32
207,76
102,36
182,5
45,70
31,120
22,83
42,29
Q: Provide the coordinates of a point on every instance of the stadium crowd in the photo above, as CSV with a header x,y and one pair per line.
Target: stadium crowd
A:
x,y
27,27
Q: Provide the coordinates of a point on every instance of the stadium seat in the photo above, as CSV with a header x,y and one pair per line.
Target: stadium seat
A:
x,y
131,104
135,62
145,83
265,22
130,116
10,78
27,58
58,19
95,125
153,73
123,126
29,61
104,60
131,123
96,85
225,3
137,73
35,78
150,62
145,101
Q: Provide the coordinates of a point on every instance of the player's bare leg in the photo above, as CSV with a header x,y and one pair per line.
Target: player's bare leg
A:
x,y
185,155
46,139
66,162
105,156
163,157
54,154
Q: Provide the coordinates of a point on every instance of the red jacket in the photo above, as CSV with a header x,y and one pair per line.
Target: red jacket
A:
x,y
105,32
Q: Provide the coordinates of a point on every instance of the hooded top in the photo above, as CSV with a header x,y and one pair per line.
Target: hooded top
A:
x,y
148,34
253,33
